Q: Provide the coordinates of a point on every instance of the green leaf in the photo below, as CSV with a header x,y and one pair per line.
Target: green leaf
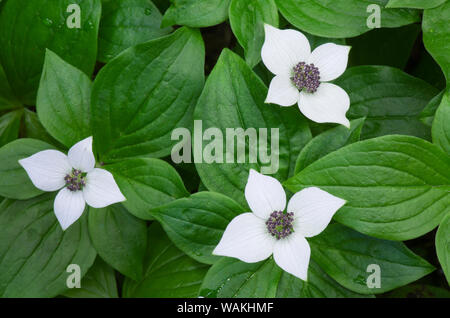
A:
x,y
436,35
34,251
345,255
390,99
419,291
319,285
415,4
327,142
32,128
14,181
134,112
370,48
10,126
28,28
63,101
341,18
231,278
247,20
428,113
168,272
196,224
147,183
99,282
443,246
396,187
196,13
127,23
441,124
298,132
7,98
119,238
233,99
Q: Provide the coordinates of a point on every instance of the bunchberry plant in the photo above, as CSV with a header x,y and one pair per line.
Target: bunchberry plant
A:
x,y
75,177
269,229
301,76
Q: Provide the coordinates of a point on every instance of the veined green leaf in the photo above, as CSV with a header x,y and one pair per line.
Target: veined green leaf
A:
x,y
147,183
168,272
390,99
347,256
119,238
443,246
247,20
99,282
145,93
27,28
63,101
35,252
319,285
428,113
327,142
415,4
7,98
441,124
32,128
232,102
14,181
231,278
396,187
10,126
196,224
341,18
196,13
436,35
126,23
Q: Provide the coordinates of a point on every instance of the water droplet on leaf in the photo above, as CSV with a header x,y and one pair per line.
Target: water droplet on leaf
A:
x,y
48,22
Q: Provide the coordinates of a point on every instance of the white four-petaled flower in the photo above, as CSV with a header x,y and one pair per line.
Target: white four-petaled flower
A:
x,y
301,76
76,178
253,237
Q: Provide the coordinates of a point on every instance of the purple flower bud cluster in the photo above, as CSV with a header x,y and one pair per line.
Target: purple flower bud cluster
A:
x,y
306,77
75,181
279,224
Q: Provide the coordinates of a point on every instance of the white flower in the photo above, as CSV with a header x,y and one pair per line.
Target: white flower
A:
x,y
253,237
300,75
76,178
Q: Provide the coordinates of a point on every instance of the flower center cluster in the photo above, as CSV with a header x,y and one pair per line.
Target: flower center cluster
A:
x,y
306,77
279,224
75,181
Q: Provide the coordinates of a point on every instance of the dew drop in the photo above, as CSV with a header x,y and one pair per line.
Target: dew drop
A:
x,y
48,22
360,280
148,11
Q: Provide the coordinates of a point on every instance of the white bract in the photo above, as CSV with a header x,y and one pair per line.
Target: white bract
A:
x,y
254,236
301,76
76,178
